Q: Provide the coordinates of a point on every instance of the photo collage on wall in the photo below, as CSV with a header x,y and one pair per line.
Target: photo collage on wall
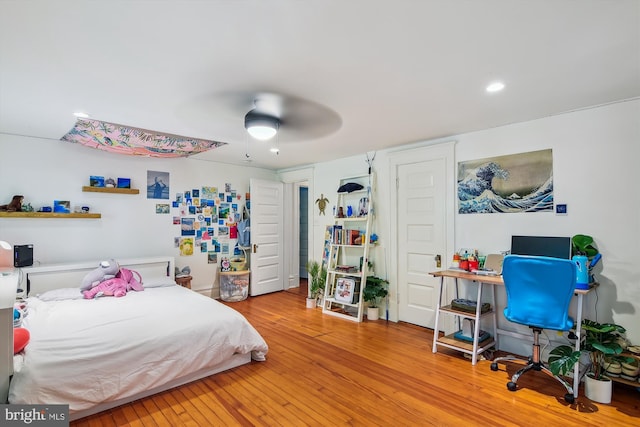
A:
x,y
208,220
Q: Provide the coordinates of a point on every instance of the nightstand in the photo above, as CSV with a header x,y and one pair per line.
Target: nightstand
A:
x,y
184,281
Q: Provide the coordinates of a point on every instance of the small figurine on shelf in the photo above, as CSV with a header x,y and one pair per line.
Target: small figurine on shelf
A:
x,y
110,182
14,206
225,265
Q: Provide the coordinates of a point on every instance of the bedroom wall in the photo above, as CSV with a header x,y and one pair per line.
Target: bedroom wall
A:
x,y
595,152
44,170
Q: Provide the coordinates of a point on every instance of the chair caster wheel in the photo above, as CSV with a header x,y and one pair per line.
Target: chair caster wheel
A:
x,y
569,398
512,386
494,366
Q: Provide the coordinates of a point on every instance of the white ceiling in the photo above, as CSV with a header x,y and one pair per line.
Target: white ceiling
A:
x,y
395,71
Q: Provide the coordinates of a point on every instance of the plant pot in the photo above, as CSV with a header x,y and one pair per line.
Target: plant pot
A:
x,y
373,313
311,303
598,390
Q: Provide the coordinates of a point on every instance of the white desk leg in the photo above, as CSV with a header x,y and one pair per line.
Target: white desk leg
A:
x,y
435,326
576,368
495,316
476,329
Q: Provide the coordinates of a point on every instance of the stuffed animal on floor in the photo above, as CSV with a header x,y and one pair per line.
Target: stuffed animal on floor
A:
x,y
14,206
106,270
124,282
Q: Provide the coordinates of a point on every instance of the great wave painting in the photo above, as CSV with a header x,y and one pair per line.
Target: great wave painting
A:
x,y
514,183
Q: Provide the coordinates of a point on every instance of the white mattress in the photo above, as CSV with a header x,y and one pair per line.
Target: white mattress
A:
x,y
88,352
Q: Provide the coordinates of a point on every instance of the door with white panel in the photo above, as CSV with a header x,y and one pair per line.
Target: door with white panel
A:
x,y
267,240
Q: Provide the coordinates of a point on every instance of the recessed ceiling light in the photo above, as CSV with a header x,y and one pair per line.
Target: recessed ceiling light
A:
x,y
495,87
81,115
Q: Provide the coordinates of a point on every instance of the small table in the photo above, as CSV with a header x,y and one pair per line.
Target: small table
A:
x,y
184,281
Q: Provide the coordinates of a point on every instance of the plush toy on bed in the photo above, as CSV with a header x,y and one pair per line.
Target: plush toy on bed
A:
x,y
124,282
106,270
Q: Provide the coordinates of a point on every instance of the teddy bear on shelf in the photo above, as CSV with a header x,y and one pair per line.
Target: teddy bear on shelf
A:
x,y
14,206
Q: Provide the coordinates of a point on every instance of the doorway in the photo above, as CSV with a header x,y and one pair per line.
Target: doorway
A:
x,y
422,223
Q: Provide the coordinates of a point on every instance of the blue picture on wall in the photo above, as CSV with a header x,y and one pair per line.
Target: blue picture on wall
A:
x,y
514,183
157,185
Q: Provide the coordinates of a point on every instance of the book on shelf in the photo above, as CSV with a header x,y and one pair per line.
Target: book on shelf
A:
x,y
346,268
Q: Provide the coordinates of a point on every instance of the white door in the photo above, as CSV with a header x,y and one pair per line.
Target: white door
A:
x,y
267,227
422,231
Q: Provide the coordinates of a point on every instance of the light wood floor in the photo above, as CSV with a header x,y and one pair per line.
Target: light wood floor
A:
x,y
322,370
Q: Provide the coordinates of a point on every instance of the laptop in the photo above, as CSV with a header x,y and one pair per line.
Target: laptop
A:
x,y
492,265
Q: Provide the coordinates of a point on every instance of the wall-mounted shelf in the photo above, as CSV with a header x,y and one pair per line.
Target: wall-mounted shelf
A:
x,y
110,190
48,215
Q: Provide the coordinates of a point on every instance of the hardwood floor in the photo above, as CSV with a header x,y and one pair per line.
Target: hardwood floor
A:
x,y
322,370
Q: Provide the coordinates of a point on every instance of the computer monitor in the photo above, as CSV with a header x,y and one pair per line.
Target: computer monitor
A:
x,y
555,247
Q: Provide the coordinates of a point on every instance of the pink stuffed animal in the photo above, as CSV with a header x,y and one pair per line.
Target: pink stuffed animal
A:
x,y
118,286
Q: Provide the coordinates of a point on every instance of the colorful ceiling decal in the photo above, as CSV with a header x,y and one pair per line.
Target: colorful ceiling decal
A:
x,y
122,139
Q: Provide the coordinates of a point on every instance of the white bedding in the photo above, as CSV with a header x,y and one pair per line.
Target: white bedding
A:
x,y
87,352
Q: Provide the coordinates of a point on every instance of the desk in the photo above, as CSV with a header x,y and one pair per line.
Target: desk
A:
x,y
474,348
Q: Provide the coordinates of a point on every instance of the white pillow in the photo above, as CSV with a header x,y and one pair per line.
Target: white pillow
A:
x,y
158,282
61,294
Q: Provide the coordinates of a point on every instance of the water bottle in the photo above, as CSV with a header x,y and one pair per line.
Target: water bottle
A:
x,y
582,271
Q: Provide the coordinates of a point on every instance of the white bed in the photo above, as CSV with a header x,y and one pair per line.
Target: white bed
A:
x,y
101,353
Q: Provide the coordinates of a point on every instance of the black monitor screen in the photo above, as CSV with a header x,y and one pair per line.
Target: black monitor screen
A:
x,y
555,247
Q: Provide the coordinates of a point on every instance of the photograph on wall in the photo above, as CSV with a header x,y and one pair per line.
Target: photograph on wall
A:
x,y
224,210
157,185
186,246
162,208
212,258
203,247
187,227
505,184
209,192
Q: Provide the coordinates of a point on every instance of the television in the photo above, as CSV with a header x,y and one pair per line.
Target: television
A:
x,y
554,247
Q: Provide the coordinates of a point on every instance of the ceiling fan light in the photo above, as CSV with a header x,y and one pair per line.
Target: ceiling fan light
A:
x,y
261,126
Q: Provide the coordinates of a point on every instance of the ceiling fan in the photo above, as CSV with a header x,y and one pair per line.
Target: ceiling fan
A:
x,y
293,118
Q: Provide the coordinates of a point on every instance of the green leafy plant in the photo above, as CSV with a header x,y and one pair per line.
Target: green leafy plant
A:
x,y
374,290
317,277
583,245
602,344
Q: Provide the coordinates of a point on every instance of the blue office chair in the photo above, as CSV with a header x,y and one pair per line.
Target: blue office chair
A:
x,y
539,290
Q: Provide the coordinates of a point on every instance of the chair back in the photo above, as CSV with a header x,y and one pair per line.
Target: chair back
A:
x,y
539,291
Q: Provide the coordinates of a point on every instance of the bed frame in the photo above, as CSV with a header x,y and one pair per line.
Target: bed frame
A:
x,y
47,277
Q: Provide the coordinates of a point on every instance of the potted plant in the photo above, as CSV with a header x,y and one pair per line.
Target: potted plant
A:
x,y
601,342
317,278
374,290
